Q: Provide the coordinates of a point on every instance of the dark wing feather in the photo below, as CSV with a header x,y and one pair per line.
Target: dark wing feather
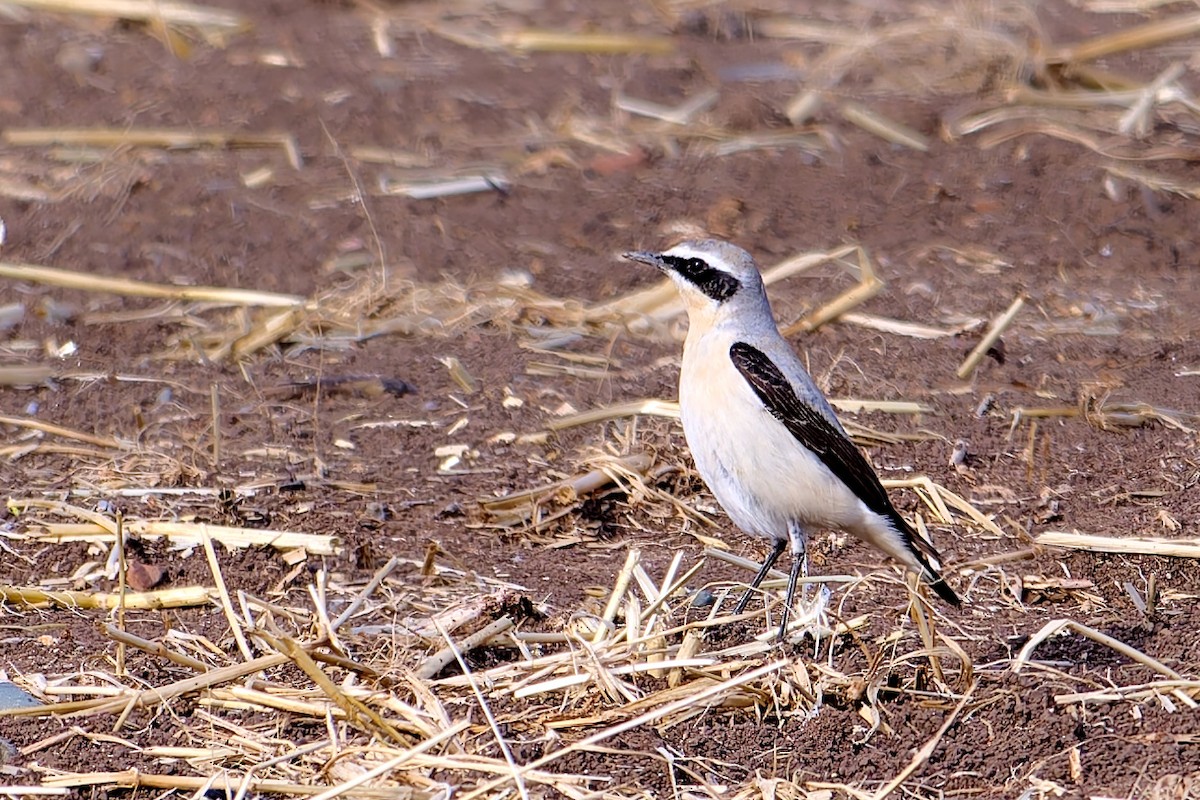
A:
x,y
834,449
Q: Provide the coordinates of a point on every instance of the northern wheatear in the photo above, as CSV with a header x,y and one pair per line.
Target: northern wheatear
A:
x,y
764,438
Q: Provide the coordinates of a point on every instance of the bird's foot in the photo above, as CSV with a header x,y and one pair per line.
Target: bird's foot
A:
x,y
811,617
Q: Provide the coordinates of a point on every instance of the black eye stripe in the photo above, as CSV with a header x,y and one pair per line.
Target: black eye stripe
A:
x,y
718,285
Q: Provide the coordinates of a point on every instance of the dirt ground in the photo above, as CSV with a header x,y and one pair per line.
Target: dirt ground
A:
x,y
1083,418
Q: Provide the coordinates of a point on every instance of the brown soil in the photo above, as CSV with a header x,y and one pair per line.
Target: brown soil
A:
x,y
958,232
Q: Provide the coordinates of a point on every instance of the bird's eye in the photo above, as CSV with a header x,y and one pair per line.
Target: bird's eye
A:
x,y
716,283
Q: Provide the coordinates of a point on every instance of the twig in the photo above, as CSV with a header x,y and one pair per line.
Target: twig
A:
x,y
517,775
438,661
1178,548
376,580
91,282
223,592
1054,626
997,327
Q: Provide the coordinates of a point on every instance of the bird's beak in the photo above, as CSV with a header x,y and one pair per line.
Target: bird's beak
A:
x,y
653,259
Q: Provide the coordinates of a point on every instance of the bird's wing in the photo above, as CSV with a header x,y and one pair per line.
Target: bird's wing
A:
x,y
811,428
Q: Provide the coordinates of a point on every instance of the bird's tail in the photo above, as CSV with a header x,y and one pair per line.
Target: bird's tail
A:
x,y
927,557
940,587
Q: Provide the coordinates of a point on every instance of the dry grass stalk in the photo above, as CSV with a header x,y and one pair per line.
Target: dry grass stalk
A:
x,y
235,624
849,405
160,138
1137,37
265,332
1107,415
1055,626
1155,181
355,784
442,658
868,286
102,529
631,408
66,433
32,375
914,330
995,330
200,786
168,12
530,40
357,712
1137,693
445,187
166,598
1172,548
526,506
154,648
816,144
811,31
886,129
682,114
69,279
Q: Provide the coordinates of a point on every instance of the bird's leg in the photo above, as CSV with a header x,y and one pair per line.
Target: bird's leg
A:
x,y
772,557
799,540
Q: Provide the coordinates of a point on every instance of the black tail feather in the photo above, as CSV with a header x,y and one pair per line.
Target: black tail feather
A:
x,y
941,588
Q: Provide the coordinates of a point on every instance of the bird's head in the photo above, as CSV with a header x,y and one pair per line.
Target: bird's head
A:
x,y
716,279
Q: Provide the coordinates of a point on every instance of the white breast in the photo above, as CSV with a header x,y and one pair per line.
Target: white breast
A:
x,y
756,469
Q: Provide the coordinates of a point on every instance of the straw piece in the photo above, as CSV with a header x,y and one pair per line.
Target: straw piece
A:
x,y
167,12
1176,548
438,661
887,129
58,430
1137,692
811,31
631,408
620,586
998,326
448,187
33,791
357,712
226,784
1137,37
850,405
523,505
163,138
1054,626
529,40
32,375
154,648
899,327
165,598
231,616
355,784
89,282
868,286
182,533
1155,181
682,114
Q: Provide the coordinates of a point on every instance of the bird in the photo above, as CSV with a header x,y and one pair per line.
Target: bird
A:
x,y
764,438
